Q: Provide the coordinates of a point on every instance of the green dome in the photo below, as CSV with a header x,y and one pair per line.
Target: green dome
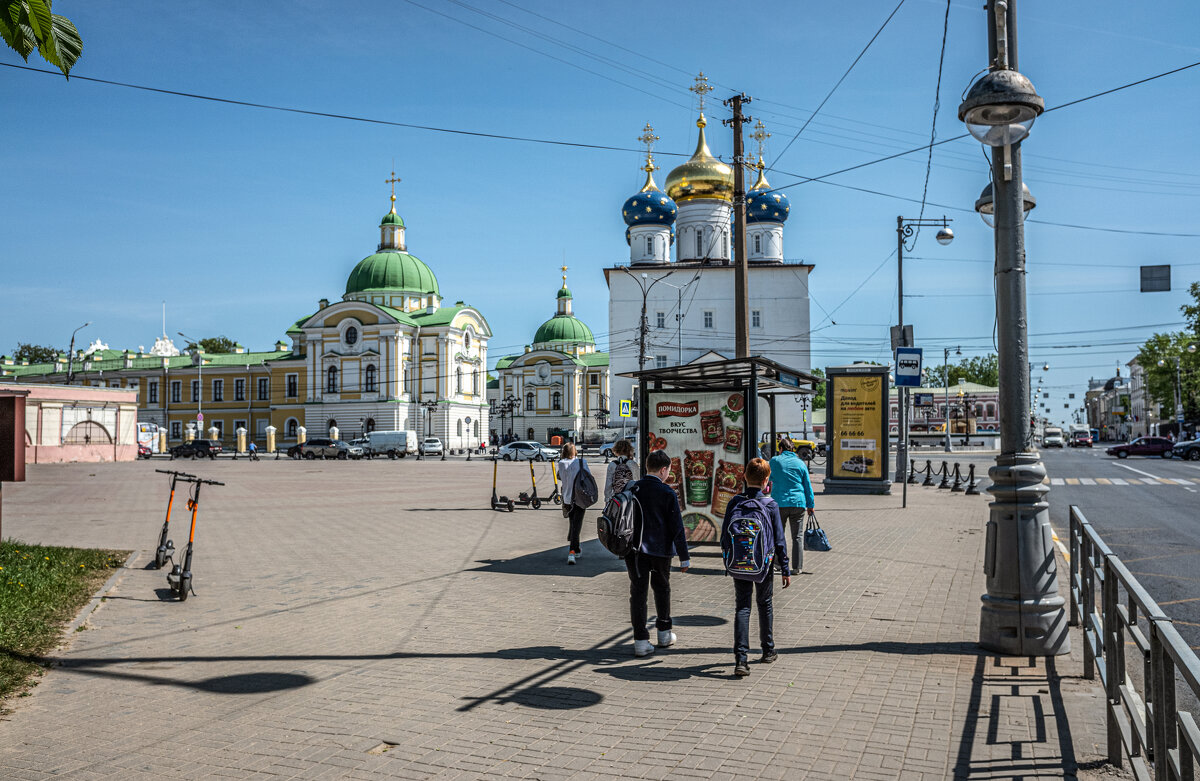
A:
x,y
392,270
391,218
564,293
564,328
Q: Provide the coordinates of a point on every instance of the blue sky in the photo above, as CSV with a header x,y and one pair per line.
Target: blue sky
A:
x,y
242,218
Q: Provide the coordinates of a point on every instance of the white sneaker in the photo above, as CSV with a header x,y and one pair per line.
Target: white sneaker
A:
x,y
570,558
665,638
642,648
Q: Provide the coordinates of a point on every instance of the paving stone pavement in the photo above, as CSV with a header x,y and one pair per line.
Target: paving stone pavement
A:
x,y
376,620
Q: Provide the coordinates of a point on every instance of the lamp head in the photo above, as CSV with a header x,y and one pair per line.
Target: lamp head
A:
x,y
1191,348
1161,363
1000,108
986,207
945,236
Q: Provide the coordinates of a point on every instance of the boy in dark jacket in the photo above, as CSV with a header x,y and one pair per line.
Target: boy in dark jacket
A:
x,y
650,565
757,473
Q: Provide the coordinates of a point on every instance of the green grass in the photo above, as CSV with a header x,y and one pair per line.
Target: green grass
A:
x,y
41,590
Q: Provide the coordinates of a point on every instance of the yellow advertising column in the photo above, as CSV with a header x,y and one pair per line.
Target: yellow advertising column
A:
x,y
856,433
270,439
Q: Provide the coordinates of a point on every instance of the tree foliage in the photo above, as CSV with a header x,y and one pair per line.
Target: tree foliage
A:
x,y
26,25
1191,312
818,401
1160,380
35,353
214,344
982,370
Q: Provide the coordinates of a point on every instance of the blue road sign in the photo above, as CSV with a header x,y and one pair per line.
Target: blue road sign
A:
x,y
908,367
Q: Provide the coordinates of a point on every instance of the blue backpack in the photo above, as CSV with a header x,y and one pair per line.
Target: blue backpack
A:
x,y
748,542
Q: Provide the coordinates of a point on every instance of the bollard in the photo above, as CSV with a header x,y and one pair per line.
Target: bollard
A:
x,y
928,473
972,487
957,488
912,472
945,476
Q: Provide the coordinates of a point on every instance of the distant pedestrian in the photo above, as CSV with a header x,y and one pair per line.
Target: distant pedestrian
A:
x,y
568,468
755,506
791,488
253,449
620,471
661,535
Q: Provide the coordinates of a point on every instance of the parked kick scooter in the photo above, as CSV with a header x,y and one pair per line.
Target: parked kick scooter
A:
x,y
501,503
167,547
180,578
530,499
556,496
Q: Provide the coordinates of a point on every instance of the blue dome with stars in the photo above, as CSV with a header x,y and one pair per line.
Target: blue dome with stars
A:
x,y
764,204
649,207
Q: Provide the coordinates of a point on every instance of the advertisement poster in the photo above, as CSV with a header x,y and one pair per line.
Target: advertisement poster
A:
x,y
858,436
704,433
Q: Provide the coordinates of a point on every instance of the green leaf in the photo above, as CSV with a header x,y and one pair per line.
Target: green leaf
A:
x,y
37,13
68,46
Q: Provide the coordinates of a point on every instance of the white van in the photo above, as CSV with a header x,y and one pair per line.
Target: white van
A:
x,y
393,444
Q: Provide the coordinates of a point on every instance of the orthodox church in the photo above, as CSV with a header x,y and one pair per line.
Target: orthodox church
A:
x,y
558,387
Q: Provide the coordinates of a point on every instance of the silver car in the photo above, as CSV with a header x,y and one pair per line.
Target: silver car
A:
x,y
527,451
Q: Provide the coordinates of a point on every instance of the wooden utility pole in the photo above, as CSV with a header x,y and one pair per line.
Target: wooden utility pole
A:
x,y
741,307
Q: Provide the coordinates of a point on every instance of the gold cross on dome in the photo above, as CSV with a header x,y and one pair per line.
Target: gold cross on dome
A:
x,y
392,182
648,138
760,135
701,88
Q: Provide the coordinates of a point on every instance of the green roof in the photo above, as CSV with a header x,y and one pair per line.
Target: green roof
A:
x,y
589,360
594,359
391,218
394,271
506,361
445,315
564,292
564,328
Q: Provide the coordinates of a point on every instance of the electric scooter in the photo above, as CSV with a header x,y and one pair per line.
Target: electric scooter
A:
x,y
180,577
499,503
167,547
556,496
530,499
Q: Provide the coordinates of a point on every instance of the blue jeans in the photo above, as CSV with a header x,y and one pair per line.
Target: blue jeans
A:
x,y
744,590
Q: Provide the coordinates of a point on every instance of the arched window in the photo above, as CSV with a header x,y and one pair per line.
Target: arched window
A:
x,y
699,244
331,425
460,428
458,379
331,380
649,245
369,380
467,340
529,401
351,335
290,428
477,429
991,410
475,382
979,410
556,400
758,243
369,425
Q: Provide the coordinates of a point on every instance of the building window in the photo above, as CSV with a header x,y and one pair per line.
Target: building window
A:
x,y
176,429
756,318
660,319
660,361
460,428
351,335
239,390
240,424
594,380
991,410
758,243
195,390
291,385
708,319
458,379
264,388
369,425
369,381
724,245
176,391
331,380
556,401
477,429
330,426
290,428
649,245
219,425
152,392
529,402
467,340
699,244
218,393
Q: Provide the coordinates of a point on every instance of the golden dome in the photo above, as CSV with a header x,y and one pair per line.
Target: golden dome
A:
x,y
703,176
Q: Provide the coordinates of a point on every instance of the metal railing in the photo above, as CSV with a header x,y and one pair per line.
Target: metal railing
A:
x,y
1144,722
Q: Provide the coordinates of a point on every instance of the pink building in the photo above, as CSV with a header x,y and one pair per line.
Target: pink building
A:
x,y
76,423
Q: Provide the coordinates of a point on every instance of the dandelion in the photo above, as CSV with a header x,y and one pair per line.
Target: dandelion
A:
x,y
47,558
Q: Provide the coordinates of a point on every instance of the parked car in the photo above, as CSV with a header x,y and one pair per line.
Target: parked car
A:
x,y
197,448
1189,450
606,450
323,447
527,450
1081,439
1143,446
431,446
144,451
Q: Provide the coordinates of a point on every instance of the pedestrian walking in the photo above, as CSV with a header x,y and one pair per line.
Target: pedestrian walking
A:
x,y
752,543
661,536
568,470
791,488
620,471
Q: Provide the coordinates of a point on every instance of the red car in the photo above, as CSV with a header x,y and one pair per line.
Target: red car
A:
x,y
144,451
1143,446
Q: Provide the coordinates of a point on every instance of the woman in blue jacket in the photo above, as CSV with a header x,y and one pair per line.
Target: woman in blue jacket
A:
x,y
792,490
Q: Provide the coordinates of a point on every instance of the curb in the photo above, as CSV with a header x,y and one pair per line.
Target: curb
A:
x,y
87,610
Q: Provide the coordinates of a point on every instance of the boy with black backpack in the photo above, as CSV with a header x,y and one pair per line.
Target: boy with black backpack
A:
x,y
752,543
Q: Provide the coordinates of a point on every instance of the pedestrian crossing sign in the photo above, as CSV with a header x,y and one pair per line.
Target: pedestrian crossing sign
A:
x,y
626,408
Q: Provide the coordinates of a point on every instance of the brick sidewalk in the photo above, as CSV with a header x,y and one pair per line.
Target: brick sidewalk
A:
x,y
374,619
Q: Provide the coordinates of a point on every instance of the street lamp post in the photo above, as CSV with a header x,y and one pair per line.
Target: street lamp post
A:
x,y
946,392
1022,612
906,227
1191,348
199,352
71,353
644,326
678,318
510,404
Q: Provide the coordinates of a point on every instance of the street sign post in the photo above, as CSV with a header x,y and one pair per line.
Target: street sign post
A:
x,y
908,367
626,410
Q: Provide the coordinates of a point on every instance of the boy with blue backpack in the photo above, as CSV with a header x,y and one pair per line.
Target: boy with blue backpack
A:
x,y
752,542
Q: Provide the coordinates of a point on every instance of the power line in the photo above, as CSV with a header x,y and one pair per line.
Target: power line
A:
x,y
839,81
937,104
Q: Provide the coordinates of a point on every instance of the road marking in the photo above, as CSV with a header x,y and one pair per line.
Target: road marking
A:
x,y
1140,472
1086,481
1056,481
1066,554
1119,481
1179,601
1166,480
1103,481
1072,481
1162,556
1181,481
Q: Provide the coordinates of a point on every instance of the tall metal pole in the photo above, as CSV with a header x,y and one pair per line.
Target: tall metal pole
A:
x,y
901,392
946,395
1022,612
741,308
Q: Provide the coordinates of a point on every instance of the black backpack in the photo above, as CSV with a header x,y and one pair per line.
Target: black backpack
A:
x,y
584,493
617,525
